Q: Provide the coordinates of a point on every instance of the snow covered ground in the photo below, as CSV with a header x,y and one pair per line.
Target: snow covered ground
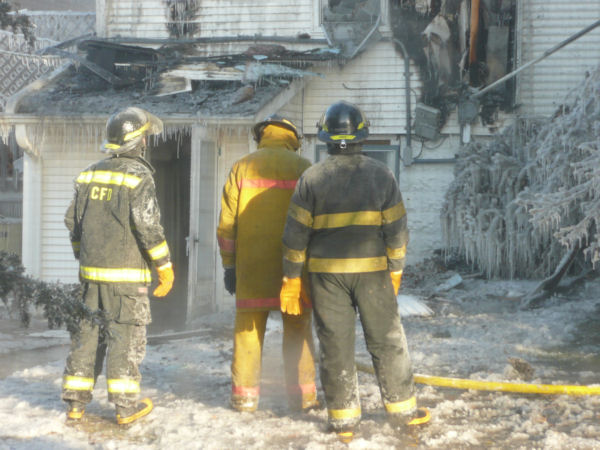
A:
x,y
476,330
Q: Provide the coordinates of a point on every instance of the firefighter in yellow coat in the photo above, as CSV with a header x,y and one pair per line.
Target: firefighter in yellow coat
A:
x,y
253,211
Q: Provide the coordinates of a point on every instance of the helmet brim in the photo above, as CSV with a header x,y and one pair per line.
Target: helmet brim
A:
x,y
335,138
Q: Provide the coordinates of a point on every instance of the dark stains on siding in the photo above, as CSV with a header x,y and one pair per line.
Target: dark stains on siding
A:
x,y
182,16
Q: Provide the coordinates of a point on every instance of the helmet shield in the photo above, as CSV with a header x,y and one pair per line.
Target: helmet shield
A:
x,y
343,123
276,120
126,129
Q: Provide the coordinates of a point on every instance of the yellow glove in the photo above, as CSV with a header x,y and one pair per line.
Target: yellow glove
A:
x,y
305,294
165,280
396,280
290,296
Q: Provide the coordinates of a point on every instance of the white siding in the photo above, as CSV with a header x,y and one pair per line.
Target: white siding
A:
x,y
374,81
544,24
148,18
60,165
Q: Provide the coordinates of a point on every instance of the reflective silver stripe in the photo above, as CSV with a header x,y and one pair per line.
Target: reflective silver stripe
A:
x,y
122,386
160,251
116,275
109,177
78,383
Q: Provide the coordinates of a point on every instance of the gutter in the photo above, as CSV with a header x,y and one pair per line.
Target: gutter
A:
x,y
214,40
13,104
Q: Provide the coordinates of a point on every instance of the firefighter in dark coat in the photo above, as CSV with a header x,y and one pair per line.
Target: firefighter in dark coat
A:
x,y
115,231
347,224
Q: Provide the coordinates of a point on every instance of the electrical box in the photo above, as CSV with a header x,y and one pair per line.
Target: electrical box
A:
x,y
427,120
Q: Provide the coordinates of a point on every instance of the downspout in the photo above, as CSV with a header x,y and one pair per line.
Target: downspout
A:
x,y
407,157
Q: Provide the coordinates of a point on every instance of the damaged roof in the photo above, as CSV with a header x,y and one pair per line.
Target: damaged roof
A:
x,y
77,92
170,82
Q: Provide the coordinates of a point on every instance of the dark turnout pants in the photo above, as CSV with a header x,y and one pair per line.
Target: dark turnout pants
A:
x,y
122,337
336,298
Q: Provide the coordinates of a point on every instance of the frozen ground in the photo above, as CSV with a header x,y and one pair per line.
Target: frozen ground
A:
x,y
476,328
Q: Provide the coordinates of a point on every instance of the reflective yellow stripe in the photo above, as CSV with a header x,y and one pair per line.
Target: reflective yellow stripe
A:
x,y
116,275
75,245
396,253
347,265
339,137
295,256
347,219
136,133
112,146
109,177
78,383
160,251
300,214
394,213
340,414
402,407
122,386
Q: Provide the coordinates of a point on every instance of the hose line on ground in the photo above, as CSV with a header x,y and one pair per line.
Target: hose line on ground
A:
x,y
502,386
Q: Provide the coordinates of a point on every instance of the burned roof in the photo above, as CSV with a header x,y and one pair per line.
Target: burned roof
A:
x,y
78,92
170,81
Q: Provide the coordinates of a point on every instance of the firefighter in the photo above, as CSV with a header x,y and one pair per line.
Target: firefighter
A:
x,y
347,223
115,231
254,203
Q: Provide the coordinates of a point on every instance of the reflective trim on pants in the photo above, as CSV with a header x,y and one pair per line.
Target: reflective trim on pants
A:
x,y
123,386
76,383
245,391
403,407
344,414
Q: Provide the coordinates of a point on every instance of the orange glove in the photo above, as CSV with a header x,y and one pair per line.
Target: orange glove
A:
x,y
289,297
396,280
165,280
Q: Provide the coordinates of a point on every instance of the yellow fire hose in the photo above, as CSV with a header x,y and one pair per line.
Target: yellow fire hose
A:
x,y
502,386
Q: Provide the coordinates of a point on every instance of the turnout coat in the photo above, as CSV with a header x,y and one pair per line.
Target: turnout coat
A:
x,y
254,204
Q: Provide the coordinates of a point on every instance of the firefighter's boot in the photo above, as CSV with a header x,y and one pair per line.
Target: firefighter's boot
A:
x,y
131,414
344,433
403,422
75,410
244,403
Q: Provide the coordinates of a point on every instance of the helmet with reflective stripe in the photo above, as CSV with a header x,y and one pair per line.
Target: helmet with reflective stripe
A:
x,y
126,129
343,123
276,120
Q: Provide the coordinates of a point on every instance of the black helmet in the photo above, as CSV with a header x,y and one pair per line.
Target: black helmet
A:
x,y
125,130
343,123
276,120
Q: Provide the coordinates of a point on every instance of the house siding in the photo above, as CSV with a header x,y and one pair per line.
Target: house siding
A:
x,y
374,80
60,166
544,24
149,18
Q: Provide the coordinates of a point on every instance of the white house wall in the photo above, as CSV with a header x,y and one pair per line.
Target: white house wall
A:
x,y
374,80
148,18
61,164
544,24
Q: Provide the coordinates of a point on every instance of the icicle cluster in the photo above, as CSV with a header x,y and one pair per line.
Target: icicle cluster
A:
x,y
518,202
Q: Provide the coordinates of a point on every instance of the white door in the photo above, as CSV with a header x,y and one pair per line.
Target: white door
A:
x,y
202,240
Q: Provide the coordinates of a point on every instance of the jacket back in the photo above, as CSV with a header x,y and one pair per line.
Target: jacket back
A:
x,y
114,222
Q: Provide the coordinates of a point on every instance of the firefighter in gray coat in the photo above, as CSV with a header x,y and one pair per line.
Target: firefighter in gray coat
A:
x,y
347,226
115,231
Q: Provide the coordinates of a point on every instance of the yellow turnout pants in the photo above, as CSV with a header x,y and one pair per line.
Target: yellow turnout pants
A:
x,y
298,359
